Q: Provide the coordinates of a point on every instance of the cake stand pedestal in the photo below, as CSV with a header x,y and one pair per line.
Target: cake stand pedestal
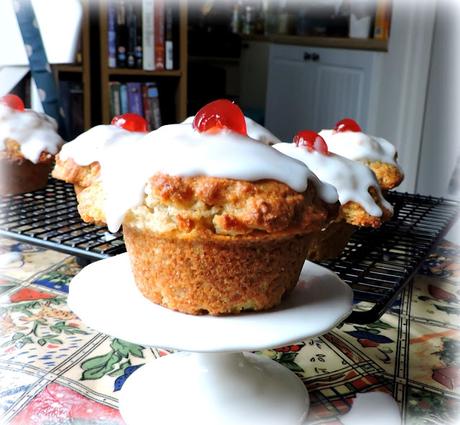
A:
x,y
214,382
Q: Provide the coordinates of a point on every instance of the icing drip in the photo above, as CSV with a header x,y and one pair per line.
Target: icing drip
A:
x,y
128,160
359,146
351,179
35,132
91,146
255,131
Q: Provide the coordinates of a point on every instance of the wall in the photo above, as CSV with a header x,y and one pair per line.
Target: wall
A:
x,y
440,148
398,101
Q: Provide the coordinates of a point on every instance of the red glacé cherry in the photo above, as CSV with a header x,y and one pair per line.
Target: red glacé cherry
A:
x,y
13,101
312,141
130,122
347,124
220,114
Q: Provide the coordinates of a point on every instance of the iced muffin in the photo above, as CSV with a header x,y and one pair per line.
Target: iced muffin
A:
x,y
360,197
214,221
348,140
28,143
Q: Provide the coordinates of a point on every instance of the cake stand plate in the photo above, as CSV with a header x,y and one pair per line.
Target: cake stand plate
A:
x,y
214,383
104,295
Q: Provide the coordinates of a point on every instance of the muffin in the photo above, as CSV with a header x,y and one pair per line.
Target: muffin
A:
x,y
214,221
28,143
348,140
361,201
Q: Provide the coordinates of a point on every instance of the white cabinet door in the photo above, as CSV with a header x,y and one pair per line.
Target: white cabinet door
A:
x,y
312,88
342,86
289,88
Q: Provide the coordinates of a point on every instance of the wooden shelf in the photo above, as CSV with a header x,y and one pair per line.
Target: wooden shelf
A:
x,y
67,68
333,42
143,73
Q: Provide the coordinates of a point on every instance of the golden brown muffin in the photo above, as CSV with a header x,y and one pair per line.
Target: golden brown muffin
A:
x,y
329,242
358,190
354,213
211,245
348,140
388,175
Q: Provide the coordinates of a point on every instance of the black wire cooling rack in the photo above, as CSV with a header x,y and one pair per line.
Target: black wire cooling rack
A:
x,y
377,264
49,218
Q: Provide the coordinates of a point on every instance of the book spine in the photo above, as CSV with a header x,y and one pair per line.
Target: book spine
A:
x,y
124,106
175,34
112,34
159,30
114,98
138,54
154,101
169,30
122,34
148,44
135,98
131,25
147,109
382,20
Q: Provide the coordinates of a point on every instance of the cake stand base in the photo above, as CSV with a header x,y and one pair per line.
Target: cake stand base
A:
x,y
214,388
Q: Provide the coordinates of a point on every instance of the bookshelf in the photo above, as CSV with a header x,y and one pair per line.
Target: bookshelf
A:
x,y
172,84
92,73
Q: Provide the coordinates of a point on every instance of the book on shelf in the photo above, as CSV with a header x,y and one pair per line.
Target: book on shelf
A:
x,y
138,52
114,88
171,35
382,20
136,97
159,31
143,34
151,105
112,33
122,34
124,106
134,41
71,95
131,25
148,42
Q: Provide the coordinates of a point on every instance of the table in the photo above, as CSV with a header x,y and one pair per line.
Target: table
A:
x,y
55,370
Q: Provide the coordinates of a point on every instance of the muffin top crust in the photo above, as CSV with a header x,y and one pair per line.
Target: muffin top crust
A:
x,y
183,171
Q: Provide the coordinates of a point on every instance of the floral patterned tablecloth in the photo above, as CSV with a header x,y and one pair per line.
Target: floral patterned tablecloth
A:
x,y
55,370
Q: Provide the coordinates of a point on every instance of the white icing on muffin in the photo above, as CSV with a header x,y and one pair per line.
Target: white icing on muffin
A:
x,y
129,159
359,146
35,132
351,178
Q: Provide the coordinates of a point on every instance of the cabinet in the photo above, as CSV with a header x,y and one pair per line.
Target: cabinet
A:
x,y
312,88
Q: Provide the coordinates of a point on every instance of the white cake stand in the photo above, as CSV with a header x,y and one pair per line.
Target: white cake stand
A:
x,y
213,382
